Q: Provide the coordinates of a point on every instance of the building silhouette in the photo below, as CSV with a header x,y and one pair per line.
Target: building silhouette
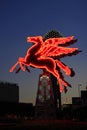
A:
x,y
80,101
9,102
9,92
84,97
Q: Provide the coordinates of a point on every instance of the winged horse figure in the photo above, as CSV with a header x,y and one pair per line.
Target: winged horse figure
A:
x,y
46,55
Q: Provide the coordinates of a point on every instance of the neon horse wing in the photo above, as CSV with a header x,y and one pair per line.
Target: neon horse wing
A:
x,y
55,47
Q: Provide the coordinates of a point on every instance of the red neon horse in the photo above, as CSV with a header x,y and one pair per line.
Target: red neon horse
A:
x,y
46,55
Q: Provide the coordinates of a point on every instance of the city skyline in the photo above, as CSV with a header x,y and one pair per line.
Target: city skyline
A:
x,y
20,19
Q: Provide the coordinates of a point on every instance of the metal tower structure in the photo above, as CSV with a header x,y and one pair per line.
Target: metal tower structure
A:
x,y
48,98
45,107
55,86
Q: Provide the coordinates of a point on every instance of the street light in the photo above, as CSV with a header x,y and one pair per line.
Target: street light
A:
x,y
79,85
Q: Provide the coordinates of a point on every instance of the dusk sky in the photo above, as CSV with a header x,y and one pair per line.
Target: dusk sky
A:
x,y
22,18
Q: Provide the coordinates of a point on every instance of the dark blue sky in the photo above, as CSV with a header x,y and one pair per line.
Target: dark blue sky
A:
x,y
22,18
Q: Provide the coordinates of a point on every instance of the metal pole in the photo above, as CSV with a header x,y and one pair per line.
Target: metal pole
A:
x,y
79,93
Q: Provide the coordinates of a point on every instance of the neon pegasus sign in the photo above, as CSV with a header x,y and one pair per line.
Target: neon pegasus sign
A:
x,y
46,55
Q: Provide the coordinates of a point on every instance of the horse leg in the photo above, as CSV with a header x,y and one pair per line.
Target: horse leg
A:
x,y
23,63
20,61
65,68
14,66
61,81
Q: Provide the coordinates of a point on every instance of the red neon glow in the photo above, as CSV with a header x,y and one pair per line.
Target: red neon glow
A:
x,y
46,55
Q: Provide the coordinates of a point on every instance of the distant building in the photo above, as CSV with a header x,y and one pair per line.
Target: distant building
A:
x,y
9,92
16,108
76,101
84,96
80,101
